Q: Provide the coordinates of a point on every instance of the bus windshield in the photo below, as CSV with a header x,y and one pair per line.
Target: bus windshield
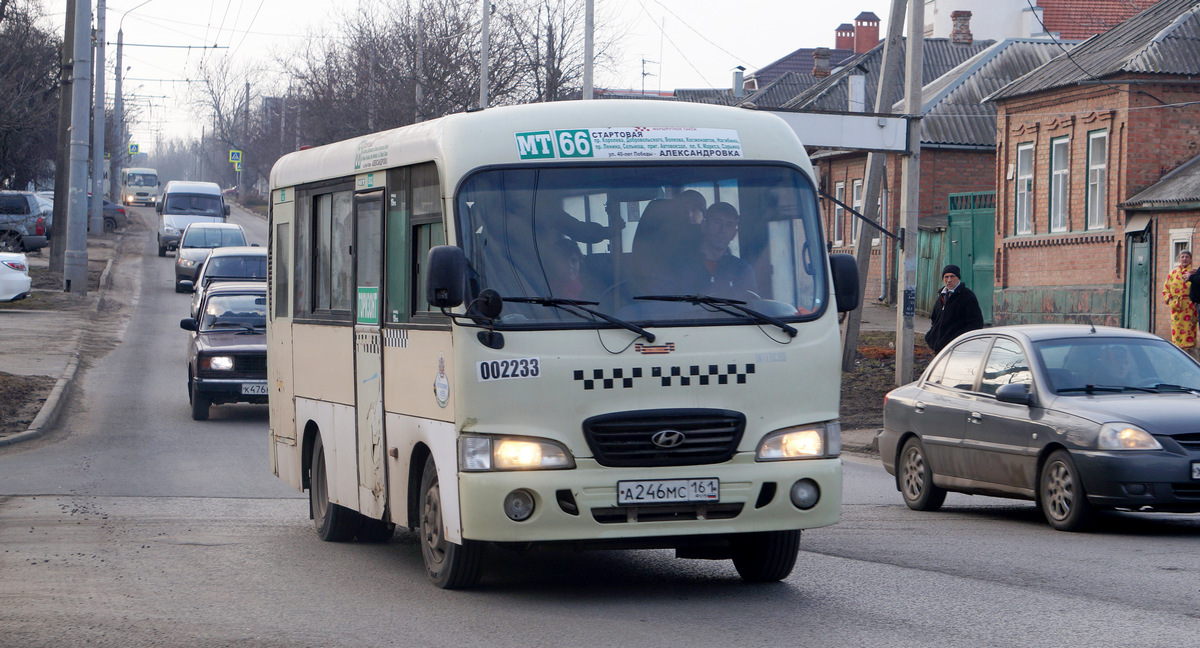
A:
x,y
141,180
655,244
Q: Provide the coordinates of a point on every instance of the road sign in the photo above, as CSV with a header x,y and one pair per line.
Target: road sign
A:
x,y
237,166
133,149
235,156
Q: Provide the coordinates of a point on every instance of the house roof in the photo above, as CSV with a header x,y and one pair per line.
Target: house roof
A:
x,y
1178,188
1080,19
1164,39
831,93
953,113
782,90
718,96
799,61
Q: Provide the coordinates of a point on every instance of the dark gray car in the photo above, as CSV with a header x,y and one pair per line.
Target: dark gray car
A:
x,y
24,221
1077,418
197,240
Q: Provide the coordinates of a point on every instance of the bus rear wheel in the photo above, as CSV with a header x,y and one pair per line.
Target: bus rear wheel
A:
x,y
765,557
335,523
449,565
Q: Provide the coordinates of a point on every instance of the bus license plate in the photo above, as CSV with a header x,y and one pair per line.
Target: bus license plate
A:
x,y
667,491
254,389
1196,470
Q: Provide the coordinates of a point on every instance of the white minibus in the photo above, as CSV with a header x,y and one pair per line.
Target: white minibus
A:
x,y
139,186
590,324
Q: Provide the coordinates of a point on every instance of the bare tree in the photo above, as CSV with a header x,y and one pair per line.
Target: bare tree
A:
x,y
29,65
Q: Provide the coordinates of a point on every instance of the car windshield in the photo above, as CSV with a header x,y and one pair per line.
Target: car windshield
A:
x,y
236,267
212,237
1082,365
202,204
634,240
224,312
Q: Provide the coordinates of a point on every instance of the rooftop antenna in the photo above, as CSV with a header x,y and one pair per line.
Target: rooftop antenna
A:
x,y
645,73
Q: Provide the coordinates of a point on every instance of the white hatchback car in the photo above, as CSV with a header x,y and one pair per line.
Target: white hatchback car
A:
x,y
14,276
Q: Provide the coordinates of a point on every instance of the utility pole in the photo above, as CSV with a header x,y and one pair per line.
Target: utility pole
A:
x,y
419,91
122,145
75,271
910,195
62,157
485,45
889,80
96,215
242,191
589,46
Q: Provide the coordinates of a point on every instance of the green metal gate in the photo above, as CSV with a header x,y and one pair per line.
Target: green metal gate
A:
x,y
1139,296
972,244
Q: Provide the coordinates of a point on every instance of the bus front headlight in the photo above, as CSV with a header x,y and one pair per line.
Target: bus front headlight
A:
x,y
801,442
481,453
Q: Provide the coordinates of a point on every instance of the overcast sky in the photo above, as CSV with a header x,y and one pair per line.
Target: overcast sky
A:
x,y
685,43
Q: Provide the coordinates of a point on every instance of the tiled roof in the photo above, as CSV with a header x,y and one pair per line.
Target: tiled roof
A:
x,y
1178,188
718,96
953,114
1164,39
799,61
831,93
782,90
1080,19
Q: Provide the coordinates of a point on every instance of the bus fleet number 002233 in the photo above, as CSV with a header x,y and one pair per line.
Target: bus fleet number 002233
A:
x,y
488,370
666,491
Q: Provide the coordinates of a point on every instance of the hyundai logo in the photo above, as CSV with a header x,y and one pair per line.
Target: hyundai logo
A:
x,y
668,438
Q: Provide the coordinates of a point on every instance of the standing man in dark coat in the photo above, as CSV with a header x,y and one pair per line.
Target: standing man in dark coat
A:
x,y
955,312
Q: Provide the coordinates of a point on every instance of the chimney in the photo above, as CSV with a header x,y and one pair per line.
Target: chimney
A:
x,y
866,32
844,37
821,57
961,34
739,82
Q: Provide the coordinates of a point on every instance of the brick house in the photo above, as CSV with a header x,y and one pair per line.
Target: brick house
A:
x,y
1080,140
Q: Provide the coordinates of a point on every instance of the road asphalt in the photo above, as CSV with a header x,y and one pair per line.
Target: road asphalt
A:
x,y
35,344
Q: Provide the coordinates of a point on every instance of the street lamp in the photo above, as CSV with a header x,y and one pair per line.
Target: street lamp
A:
x,y
119,102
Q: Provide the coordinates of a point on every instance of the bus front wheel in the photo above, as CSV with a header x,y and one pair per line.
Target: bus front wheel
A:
x,y
765,557
449,565
335,523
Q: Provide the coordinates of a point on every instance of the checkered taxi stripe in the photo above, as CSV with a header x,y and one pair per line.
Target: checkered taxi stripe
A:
x,y
674,376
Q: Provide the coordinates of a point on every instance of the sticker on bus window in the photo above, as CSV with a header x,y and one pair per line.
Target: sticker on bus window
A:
x,y
638,142
513,368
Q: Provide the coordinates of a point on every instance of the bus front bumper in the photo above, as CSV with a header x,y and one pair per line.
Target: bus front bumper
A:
x,y
581,504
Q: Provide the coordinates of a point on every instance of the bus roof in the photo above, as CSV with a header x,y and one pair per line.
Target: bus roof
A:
x,y
530,133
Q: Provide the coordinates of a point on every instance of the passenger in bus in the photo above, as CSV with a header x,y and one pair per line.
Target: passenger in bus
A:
x,y
726,274
664,249
695,205
563,264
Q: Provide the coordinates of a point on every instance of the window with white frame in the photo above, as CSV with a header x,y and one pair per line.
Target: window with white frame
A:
x,y
1060,171
856,190
1097,175
839,213
1024,203
881,217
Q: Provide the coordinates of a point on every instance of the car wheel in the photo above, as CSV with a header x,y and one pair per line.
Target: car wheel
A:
x,y
765,557
200,404
334,522
1061,494
10,242
449,565
162,249
916,479
110,226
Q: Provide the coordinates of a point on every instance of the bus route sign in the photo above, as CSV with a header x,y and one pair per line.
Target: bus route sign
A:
x,y
629,143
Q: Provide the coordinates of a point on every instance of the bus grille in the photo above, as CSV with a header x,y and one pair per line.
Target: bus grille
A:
x,y
626,439
677,513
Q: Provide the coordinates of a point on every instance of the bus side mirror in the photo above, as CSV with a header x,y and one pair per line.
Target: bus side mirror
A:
x,y
845,281
447,271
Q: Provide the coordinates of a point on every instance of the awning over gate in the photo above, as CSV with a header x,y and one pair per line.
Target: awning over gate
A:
x,y
1137,224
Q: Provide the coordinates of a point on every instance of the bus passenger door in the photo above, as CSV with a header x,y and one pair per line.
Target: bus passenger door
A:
x,y
368,348
286,455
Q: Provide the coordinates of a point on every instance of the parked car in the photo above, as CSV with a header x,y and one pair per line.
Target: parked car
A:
x,y
183,203
235,263
227,348
25,221
14,276
115,216
197,240
1074,417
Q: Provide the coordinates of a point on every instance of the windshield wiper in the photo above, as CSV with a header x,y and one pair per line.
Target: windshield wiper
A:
x,y
1091,389
722,304
1164,387
573,305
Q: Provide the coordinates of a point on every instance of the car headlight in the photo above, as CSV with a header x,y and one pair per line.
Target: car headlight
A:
x,y
170,230
187,263
802,442
1126,436
479,453
217,363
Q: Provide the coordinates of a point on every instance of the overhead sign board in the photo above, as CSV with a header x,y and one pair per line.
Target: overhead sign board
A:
x,y
847,130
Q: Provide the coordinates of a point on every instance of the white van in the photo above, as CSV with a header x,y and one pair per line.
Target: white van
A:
x,y
139,186
184,203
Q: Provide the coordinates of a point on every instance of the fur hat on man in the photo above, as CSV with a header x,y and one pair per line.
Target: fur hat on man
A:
x,y
952,269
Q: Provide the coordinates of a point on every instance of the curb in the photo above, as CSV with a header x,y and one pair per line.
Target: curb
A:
x,y
48,415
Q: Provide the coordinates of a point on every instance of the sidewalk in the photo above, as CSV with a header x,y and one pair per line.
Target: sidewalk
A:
x,y
42,332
